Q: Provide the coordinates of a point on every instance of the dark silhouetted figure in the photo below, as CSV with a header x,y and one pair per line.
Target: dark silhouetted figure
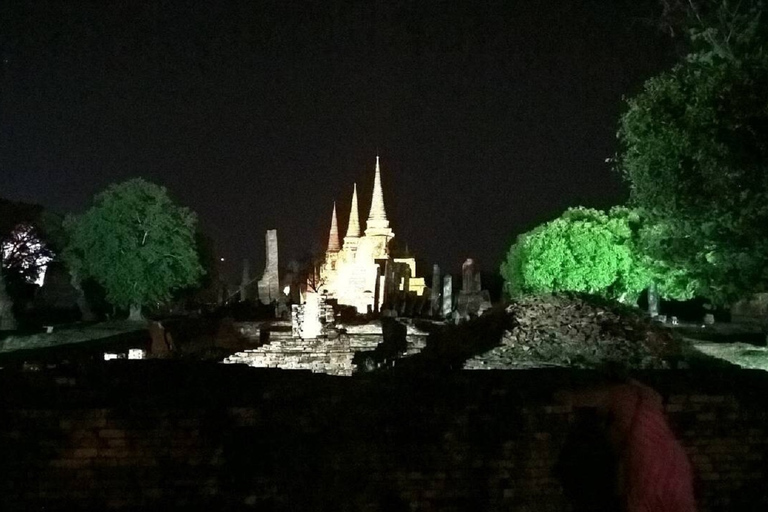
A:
x,y
587,465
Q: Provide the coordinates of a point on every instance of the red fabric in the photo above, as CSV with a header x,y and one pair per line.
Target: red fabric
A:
x,y
657,476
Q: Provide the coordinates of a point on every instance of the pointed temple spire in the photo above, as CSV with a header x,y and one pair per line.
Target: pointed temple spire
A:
x,y
353,231
377,218
333,238
377,202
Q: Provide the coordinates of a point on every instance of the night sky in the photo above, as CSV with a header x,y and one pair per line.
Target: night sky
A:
x,y
489,117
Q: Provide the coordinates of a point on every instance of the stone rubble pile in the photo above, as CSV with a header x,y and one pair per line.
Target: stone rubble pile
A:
x,y
579,331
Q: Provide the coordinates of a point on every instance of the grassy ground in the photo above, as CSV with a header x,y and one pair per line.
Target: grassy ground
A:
x,y
742,354
76,333
738,344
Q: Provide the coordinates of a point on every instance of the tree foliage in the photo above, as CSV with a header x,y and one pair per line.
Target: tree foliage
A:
x,y
136,243
583,250
30,237
206,290
586,250
694,148
726,28
24,253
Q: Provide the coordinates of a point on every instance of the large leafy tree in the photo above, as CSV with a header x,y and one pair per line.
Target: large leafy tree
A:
x,y
583,250
25,254
586,250
136,243
25,244
695,152
29,239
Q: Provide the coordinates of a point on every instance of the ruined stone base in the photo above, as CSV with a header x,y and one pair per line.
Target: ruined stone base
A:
x,y
331,356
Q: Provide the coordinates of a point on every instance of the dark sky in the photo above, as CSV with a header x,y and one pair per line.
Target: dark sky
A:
x,y
490,117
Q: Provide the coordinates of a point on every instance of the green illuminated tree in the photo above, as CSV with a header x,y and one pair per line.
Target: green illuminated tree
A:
x,y
695,152
583,250
586,250
136,243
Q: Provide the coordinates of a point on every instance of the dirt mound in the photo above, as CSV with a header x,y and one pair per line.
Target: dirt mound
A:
x,y
581,331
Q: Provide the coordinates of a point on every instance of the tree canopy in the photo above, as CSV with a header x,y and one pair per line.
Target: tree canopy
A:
x,y
136,243
24,253
30,237
586,250
583,250
694,149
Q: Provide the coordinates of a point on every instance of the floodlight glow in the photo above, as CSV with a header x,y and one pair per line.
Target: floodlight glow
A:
x,y
135,353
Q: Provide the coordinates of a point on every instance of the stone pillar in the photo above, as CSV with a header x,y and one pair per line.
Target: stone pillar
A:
x,y
472,300
281,310
292,281
7,320
447,296
470,277
309,319
269,284
397,278
377,290
389,284
393,282
434,298
653,300
406,288
245,280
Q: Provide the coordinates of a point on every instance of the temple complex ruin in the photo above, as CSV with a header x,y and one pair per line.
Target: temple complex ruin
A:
x,y
361,271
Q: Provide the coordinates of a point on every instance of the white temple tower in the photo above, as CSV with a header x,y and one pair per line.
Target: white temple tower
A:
x,y
349,274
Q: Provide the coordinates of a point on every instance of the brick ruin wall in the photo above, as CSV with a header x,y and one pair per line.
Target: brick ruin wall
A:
x,y
151,435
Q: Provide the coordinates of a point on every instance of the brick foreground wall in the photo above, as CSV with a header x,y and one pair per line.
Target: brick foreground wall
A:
x,y
158,435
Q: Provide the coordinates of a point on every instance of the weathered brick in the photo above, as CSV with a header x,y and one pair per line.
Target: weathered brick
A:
x,y
557,409
85,452
111,433
69,463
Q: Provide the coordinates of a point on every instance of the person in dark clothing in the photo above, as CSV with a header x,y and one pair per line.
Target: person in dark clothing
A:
x,y
653,472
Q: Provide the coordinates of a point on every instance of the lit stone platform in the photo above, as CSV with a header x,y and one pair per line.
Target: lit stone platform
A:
x,y
322,355
332,355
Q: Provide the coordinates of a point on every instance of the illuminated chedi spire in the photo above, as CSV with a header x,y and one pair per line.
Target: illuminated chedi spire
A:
x,y
353,230
333,238
353,275
377,219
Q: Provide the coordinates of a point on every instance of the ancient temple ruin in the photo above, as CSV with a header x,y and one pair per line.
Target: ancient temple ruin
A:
x,y
360,271
269,284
